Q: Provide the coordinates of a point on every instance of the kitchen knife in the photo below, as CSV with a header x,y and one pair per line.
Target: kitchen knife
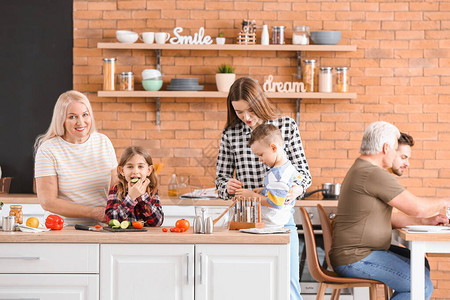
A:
x,y
84,227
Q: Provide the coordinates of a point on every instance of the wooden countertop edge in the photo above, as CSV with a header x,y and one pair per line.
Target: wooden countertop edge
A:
x,y
152,236
165,200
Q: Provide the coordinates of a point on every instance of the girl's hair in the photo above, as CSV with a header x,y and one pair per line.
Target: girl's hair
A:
x,y
246,88
122,185
59,116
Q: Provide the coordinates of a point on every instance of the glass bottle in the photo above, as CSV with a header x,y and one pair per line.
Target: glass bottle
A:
x,y
309,75
325,80
173,186
126,81
341,80
300,35
109,69
16,211
278,35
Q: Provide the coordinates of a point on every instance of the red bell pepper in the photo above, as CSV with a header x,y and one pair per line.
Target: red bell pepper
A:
x,y
54,222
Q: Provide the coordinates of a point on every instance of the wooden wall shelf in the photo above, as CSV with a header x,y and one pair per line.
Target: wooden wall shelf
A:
x,y
214,94
234,47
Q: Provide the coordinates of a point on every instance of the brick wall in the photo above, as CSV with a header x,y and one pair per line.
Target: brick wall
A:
x,y
400,73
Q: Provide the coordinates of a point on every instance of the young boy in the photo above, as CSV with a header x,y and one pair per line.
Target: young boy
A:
x,y
267,143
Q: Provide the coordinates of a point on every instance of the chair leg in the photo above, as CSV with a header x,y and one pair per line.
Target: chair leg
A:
x,y
373,291
321,291
336,293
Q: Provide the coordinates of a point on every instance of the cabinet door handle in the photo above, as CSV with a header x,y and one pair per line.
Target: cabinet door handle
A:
x,y
21,257
201,268
187,268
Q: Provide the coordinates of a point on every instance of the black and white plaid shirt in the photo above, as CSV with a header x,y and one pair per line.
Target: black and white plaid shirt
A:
x,y
235,154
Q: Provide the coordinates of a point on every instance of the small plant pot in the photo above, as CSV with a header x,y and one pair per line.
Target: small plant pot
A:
x,y
224,81
220,40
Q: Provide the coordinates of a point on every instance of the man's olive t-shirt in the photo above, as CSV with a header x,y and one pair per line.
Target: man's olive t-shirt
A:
x,y
363,221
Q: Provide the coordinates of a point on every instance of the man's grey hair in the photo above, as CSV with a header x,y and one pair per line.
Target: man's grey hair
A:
x,y
376,135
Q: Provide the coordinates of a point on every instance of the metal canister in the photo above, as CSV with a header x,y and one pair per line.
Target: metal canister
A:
x,y
8,223
341,80
126,81
209,225
278,35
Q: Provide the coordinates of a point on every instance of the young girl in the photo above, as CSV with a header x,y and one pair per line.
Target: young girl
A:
x,y
135,197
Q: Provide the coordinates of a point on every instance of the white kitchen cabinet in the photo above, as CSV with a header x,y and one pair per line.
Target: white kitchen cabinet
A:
x,y
241,272
49,286
147,271
208,271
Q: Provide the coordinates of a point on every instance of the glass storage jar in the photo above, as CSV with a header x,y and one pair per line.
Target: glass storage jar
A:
x,y
300,35
309,75
109,69
126,81
16,211
325,80
278,35
341,80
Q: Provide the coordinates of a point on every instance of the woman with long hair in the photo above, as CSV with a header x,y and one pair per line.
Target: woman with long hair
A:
x,y
238,167
74,164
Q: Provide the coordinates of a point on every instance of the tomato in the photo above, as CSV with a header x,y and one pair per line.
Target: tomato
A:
x,y
182,223
172,229
98,226
176,229
182,229
138,224
164,229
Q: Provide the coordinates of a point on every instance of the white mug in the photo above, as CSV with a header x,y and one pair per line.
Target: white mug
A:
x,y
162,37
147,37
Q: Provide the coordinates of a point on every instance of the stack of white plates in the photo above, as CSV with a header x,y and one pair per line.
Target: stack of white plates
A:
x,y
184,84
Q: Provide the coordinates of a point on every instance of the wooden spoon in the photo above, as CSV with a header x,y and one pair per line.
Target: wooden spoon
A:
x,y
226,210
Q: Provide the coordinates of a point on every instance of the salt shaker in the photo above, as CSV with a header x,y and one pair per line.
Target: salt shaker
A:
x,y
209,226
198,225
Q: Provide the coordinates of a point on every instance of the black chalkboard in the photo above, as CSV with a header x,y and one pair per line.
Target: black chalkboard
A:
x,y
36,61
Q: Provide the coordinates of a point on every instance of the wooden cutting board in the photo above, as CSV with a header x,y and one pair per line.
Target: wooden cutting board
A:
x,y
125,230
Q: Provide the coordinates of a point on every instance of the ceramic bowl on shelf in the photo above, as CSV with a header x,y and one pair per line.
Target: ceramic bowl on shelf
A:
x,y
325,37
151,74
152,84
125,36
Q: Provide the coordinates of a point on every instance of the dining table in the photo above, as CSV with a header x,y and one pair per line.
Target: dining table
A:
x,y
420,242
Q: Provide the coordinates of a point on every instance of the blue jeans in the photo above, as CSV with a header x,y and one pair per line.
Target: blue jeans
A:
x,y
295,262
388,267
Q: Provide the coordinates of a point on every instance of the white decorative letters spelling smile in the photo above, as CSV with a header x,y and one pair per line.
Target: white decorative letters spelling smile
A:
x,y
198,39
283,87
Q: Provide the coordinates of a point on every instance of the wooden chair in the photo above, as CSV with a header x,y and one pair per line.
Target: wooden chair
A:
x,y
326,278
327,231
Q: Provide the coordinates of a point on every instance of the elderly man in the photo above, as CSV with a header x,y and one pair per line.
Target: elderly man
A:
x,y
363,228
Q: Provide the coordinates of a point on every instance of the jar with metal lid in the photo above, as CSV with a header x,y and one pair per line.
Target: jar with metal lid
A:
x,y
342,85
278,35
109,69
325,80
126,81
300,35
309,75
16,211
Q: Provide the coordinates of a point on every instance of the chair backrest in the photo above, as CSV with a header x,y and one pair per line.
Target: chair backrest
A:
x,y
327,233
311,249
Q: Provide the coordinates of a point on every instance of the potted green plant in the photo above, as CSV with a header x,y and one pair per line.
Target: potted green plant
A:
x,y
220,40
225,78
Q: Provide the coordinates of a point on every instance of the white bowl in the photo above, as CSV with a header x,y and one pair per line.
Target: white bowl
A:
x,y
125,36
150,74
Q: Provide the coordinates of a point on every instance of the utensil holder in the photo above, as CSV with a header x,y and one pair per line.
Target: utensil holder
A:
x,y
5,182
245,225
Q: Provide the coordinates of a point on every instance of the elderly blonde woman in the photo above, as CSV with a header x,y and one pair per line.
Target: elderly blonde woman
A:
x,y
74,164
